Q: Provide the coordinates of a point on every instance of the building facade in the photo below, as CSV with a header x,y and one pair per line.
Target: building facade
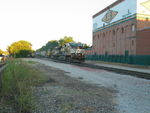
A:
x,y
122,28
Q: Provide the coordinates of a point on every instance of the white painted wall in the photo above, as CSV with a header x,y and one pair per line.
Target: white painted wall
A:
x,y
124,9
143,7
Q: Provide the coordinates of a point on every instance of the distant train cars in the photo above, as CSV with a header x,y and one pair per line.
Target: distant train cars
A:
x,y
69,52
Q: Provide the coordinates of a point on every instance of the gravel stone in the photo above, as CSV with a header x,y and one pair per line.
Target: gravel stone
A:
x,y
64,94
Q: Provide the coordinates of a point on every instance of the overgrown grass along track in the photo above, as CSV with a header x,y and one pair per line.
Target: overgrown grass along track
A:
x,y
18,80
143,75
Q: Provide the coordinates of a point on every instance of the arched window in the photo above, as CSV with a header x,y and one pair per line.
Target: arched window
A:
x,y
98,36
110,33
118,29
103,35
122,30
114,44
133,27
132,43
126,27
114,32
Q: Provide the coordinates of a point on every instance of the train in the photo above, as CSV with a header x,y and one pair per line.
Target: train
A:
x,y
69,52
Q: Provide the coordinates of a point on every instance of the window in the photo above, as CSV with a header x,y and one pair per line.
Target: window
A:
x,y
106,33
114,44
110,33
133,27
132,42
122,30
103,35
98,36
113,32
106,53
126,27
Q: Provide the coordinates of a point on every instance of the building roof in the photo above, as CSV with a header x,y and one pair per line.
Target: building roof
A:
x,y
108,7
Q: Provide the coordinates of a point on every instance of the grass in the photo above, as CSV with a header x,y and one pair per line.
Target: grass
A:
x,y
31,62
17,86
66,107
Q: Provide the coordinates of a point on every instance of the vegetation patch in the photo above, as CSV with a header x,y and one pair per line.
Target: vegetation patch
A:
x,y
17,86
31,62
66,107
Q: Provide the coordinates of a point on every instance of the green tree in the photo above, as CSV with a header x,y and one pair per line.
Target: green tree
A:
x,y
20,49
52,44
1,52
49,45
65,40
86,46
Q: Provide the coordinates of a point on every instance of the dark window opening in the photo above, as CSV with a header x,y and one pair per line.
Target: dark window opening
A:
x,y
132,42
122,30
113,32
103,34
106,53
97,36
114,44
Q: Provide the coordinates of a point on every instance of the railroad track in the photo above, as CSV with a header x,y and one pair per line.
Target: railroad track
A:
x,y
111,69
120,71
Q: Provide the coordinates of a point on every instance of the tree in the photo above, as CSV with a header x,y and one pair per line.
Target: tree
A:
x,y
1,52
52,44
86,46
65,40
20,49
49,45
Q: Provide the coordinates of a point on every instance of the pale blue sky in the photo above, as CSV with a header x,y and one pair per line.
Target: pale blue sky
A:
x,y
39,21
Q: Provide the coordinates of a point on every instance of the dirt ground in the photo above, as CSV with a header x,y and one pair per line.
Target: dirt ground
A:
x,y
64,94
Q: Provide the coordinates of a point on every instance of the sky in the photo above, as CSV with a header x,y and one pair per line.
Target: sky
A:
x,y
39,21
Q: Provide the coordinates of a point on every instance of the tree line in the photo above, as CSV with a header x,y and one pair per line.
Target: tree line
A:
x,y
23,48
54,43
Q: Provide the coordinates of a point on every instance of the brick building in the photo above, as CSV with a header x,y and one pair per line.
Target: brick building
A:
x,y
122,28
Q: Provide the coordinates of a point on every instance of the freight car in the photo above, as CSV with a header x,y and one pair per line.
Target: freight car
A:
x,y
70,52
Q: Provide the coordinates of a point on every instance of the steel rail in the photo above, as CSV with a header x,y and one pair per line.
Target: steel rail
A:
x,y
138,74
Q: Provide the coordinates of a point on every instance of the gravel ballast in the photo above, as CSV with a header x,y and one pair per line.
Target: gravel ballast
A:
x,y
133,94
64,94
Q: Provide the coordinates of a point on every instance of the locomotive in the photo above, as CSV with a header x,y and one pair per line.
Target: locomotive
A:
x,y
70,52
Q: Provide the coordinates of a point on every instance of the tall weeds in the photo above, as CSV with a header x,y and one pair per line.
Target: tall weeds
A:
x,y
18,80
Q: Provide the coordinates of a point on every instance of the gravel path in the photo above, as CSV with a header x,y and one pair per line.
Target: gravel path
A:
x,y
133,93
65,94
